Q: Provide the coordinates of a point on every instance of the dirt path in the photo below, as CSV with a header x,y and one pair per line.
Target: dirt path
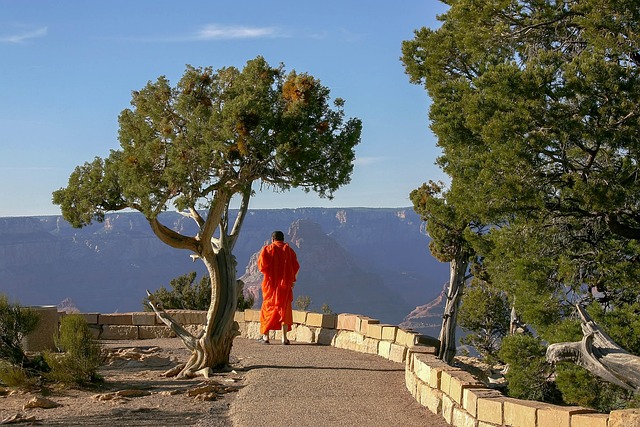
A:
x,y
271,385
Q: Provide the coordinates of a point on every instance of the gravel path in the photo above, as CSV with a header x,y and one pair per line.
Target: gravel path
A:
x,y
312,385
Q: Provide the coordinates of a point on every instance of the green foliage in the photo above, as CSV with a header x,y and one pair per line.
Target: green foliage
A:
x,y
484,313
529,373
81,353
303,302
16,322
244,302
201,145
211,136
534,105
325,309
15,376
187,294
579,387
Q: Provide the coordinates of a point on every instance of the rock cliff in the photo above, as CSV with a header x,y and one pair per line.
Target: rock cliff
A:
x,y
107,266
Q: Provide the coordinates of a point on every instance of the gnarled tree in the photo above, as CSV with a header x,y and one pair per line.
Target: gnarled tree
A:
x,y
535,109
198,145
447,228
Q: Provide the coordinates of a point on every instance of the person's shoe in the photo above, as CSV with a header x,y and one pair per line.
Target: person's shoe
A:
x,y
286,342
261,340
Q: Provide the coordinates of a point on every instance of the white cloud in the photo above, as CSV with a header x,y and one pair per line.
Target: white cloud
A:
x,y
217,32
366,161
23,37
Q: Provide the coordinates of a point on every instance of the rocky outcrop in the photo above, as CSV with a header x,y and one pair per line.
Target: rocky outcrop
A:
x,y
427,318
330,275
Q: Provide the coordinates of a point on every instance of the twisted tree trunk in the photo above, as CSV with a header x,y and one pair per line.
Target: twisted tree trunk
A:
x,y
211,347
599,354
457,276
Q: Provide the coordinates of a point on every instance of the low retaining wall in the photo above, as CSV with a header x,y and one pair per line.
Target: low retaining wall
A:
x,y
456,395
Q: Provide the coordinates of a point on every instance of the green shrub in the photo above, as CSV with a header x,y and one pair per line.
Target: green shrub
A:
x,y
529,373
580,387
186,294
15,376
81,354
16,322
303,302
484,314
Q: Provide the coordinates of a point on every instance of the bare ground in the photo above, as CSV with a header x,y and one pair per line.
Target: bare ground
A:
x,y
134,392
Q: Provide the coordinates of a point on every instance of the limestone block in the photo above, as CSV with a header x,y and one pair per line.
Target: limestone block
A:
x,y
405,337
325,336
389,332
559,416
41,338
346,321
490,409
421,368
384,349
374,330
421,388
90,318
95,330
432,399
151,332
445,378
119,332
625,418
438,379
252,330
411,381
305,334
397,353
459,381
343,339
143,319
187,317
521,413
363,322
470,397
251,315
115,319
369,346
447,408
461,418
299,317
593,420
239,316
319,320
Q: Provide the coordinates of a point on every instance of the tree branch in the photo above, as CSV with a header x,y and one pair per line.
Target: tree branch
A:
x,y
172,238
244,207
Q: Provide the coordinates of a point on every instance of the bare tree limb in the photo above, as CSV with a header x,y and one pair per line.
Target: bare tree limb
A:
x,y
600,355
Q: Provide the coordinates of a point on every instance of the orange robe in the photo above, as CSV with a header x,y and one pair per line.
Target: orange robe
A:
x,y
279,264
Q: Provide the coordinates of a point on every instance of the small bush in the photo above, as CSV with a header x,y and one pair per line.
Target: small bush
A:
x,y
529,372
187,294
303,302
15,376
16,322
81,354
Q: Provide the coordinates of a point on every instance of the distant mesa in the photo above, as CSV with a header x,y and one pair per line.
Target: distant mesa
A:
x,y
372,261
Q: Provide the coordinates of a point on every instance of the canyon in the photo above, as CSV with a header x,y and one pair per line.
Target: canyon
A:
x,y
372,261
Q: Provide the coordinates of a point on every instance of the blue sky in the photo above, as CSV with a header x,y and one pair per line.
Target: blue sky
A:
x,y
67,70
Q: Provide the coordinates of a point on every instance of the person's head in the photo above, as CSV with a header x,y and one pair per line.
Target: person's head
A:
x,y
277,236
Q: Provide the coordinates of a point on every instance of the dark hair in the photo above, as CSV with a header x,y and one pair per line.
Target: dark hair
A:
x,y
277,235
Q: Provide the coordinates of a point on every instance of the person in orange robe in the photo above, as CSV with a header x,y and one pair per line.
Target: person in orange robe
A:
x,y
279,265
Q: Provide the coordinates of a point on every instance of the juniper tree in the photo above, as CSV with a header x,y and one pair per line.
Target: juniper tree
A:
x,y
195,147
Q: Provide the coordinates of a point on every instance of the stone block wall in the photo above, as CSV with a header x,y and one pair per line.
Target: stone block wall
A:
x,y
454,394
